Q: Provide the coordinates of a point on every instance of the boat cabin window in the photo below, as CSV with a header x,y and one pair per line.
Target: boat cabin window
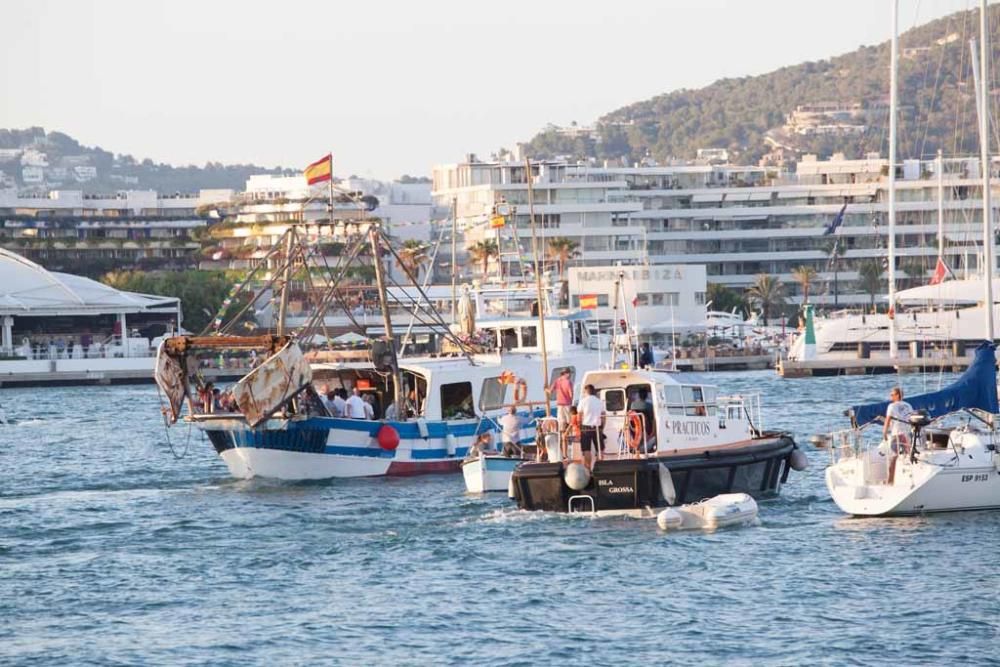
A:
x,y
696,403
529,337
614,400
456,401
493,394
672,397
508,338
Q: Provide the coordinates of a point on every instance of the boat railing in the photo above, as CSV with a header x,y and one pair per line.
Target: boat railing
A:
x,y
864,445
750,406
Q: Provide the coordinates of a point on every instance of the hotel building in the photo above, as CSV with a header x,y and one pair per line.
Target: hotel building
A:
x,y
737,221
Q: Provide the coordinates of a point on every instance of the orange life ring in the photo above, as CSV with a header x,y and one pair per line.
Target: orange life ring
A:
x,y
520,390
634,430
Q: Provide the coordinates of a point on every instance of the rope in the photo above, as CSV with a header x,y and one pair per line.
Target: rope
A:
x,y
166,428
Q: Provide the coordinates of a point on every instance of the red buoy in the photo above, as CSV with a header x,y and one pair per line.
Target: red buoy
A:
x,y
388,437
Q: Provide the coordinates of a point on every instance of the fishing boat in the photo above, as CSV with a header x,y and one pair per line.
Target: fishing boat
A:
x,y
685,443
425,413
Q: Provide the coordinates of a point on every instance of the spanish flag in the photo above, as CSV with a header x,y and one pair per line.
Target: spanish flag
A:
x,y
320,170
588,302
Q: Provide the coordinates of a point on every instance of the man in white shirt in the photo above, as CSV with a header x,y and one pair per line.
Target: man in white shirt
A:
x,y
510,433
339,403
591,411
355,406
369,406
896,416
896,427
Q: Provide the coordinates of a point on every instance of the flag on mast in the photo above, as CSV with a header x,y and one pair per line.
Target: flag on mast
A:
x,y
588,302
320,170
941,273
837,221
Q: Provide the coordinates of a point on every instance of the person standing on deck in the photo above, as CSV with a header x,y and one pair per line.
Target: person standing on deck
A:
x,y
591,411
562,388
896,427
356,406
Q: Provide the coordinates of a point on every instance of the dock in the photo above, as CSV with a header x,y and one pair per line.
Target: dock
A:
x,y
750,362
871,366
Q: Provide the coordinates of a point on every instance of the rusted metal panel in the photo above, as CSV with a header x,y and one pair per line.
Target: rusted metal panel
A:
x,y
172,379
269,386
179,345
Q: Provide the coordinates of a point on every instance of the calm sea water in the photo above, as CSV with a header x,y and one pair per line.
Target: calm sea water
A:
x,y
112,551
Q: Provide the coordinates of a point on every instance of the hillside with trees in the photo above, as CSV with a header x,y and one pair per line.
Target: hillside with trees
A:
x,y
936,93
64,163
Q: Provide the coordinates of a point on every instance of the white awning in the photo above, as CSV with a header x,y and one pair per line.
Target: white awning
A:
x,y
761,196
737,197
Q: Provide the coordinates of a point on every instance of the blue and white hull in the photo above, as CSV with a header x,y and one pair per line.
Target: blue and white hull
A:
x,y
326,447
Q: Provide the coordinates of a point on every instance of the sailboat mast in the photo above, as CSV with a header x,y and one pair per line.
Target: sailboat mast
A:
x,y
940,193
893,102
287,280
397,377
984,158
535,250
454,255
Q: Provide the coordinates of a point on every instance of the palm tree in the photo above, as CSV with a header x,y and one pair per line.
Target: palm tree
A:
x,y
413,256
804,276
766,293
870,278
562,250
723,298
913,269
482,251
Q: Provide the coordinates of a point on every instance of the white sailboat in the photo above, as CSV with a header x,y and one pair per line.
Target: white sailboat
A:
x,y
949,461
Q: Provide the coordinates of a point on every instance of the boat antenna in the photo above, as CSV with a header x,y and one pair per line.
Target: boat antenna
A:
x,y
287,281
893,63
397,377
538,284
984,157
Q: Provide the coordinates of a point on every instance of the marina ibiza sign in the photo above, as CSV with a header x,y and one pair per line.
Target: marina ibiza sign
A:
x,y
648,273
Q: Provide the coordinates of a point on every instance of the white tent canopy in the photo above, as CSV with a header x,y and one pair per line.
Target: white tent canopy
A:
x,y
27,289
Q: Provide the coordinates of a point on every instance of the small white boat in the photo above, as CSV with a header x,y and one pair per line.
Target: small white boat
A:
x,y
951,463
727,509
488,472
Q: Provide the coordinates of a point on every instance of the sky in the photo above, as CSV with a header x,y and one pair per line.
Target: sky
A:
x,y
388,87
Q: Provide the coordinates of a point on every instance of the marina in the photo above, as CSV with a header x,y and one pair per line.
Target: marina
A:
x,y
708,378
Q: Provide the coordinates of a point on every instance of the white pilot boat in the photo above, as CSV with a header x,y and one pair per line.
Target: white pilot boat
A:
x,y
950,462
687,445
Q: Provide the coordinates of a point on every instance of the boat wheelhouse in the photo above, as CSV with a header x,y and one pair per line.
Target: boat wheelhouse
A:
x,y
667,439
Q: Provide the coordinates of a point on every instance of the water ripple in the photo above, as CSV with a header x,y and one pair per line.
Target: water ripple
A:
x,y
112,551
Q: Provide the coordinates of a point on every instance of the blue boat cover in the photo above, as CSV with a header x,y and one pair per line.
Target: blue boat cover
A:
x,y
975,388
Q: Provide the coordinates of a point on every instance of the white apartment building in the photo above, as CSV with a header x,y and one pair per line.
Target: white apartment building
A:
x,y
738,221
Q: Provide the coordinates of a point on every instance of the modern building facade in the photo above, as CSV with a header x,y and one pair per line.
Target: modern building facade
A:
x,y
738,221
69,230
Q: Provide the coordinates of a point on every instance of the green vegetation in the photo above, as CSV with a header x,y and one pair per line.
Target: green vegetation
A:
x,y
724,298
768,294
562,250
482,252
870,279
937,105
805,276
201,292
